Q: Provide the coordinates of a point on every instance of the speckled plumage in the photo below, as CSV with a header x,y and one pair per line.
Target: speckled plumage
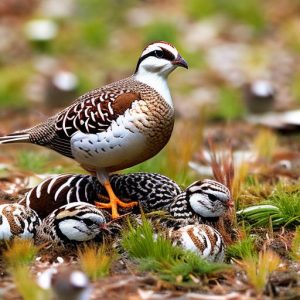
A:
x,y
94,129
71,225
202,202
153,191
201,239
17,221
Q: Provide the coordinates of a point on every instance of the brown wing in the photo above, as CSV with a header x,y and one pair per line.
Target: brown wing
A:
x,y
95,114
91,113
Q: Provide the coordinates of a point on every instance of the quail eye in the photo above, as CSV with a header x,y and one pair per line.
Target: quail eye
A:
x,y
88,222
159,54
212,197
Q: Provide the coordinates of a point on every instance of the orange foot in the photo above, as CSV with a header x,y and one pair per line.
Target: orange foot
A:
x,y
114,202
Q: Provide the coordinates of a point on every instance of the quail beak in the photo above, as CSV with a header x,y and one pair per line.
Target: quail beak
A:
x,y
107,227
180,62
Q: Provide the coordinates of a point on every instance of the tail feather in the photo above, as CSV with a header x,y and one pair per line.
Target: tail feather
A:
x,y
15,138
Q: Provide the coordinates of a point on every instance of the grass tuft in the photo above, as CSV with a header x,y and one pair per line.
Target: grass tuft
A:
x,y
259,269
156,254
20,252
282,208
96,260
26,285
295,249
243,249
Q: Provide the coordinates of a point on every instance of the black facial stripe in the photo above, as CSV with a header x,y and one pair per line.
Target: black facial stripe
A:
x,y
163,53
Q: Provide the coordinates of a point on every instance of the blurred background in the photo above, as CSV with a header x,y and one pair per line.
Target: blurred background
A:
x,y
243,58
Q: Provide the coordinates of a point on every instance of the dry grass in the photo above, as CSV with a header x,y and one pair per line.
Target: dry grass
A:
x,y
96,260
265,144
258,270
20,252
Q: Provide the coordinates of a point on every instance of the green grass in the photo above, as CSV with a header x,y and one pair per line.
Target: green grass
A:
x,y
33,161
242,249
295,249
170,263
282,208
250,12
229,106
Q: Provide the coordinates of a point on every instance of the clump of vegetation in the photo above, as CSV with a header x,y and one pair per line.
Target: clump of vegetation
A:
x,y
155,253
258,269
26,285
96,260
20,252
295,249
242,249
282,208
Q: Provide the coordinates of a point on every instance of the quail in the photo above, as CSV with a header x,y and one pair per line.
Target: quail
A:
x,y
116,126
71,225
17,221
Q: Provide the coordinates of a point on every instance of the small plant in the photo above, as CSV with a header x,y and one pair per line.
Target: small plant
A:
x,y
96,260
243,249
20,252
295,250
156,254
282,208
26,286
258,270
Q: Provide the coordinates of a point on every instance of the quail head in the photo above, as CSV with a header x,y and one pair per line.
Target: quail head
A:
x,y
202,200
71,225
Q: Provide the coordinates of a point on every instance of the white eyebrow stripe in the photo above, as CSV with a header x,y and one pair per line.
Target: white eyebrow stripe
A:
x,y
158,46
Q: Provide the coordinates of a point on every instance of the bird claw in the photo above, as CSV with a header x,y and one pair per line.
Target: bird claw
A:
x,y
113,205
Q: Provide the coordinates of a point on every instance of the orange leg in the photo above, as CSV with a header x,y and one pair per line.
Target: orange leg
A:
x,y
114,201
